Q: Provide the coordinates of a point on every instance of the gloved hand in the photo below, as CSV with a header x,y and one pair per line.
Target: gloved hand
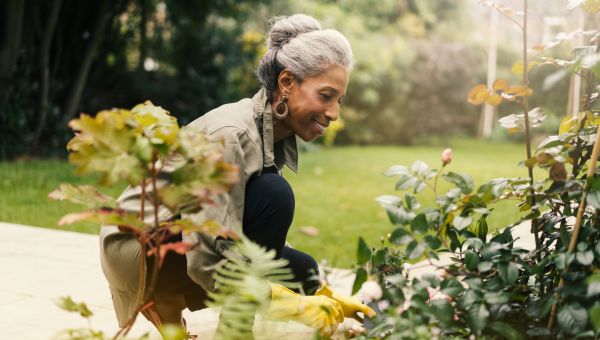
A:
x,y
319,312
350,306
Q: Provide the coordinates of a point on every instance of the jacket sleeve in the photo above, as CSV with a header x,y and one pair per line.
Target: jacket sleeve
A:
x,y
227,210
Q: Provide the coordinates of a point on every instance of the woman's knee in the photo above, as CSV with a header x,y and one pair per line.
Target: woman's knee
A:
x,y
269,196
271,187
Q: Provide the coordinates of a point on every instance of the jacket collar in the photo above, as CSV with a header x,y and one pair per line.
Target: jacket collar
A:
x,y
285,152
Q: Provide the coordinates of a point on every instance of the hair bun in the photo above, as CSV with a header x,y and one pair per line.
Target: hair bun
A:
x,y
284,29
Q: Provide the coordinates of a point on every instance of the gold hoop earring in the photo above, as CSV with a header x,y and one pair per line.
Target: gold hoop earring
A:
x,y
281,109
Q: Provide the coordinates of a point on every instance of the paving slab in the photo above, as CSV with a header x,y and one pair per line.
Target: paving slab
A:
x,y
40,265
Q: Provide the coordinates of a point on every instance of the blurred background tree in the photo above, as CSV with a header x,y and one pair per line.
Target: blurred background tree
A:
x,y
416,61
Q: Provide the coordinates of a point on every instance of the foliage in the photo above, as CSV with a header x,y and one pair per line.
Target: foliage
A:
x,y
139,147
188,55
241,287
491,287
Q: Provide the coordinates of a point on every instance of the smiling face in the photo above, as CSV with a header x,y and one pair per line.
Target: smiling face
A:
x,y
313,102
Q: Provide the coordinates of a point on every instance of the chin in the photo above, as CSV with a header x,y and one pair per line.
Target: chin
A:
x,y
308,139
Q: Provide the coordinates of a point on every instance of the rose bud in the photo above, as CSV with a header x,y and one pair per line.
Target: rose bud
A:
x,y
447,156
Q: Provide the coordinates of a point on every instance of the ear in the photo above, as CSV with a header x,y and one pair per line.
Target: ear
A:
x,y
286,81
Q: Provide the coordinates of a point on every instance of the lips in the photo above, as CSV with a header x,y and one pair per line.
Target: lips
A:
x,y
320,127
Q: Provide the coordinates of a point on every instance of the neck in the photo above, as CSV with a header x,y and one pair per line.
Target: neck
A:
x,y
280,130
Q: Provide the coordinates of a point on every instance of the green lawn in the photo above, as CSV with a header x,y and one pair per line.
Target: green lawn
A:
x,y
335,191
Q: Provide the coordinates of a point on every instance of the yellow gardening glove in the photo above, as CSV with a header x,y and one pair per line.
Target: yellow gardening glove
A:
x,y
318,312
350,306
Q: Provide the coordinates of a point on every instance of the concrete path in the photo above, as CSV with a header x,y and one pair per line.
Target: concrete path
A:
x,y
40,265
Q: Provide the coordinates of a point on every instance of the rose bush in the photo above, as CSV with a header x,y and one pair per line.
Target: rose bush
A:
x,y
493,288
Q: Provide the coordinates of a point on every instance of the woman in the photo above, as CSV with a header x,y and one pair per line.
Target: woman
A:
x,y
304,76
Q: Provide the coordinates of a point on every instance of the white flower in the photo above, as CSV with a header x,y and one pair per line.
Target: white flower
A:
x,y
371,291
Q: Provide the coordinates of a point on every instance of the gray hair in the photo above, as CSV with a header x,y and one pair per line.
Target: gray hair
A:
x,y
298,43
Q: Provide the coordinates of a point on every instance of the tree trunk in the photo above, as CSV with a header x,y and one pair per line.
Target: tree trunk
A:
x,y
143,5
12,20
84,68
45,72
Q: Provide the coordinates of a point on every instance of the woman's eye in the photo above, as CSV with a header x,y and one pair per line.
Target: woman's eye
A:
x,y
325,96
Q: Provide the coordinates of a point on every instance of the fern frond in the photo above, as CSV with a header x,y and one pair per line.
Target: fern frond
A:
x,y
241,287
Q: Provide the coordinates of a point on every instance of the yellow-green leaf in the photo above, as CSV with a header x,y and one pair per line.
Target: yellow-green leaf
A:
x,y
500,85
478,94
567,124
494,100
85,194
520,91
518,67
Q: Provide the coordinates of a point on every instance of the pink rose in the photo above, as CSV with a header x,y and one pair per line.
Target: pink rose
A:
x,y
447,156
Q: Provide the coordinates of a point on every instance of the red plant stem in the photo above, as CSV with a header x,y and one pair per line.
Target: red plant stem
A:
x,y
147,297
157,259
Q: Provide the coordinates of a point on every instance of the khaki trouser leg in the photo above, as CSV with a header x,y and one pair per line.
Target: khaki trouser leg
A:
x,y
167,309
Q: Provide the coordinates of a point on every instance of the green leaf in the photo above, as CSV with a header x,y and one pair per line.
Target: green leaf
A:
x,y
361,277
473,243
477,316
386,200
66,303
398,215
585,258
593,196
572,318
400,236
593,283
414,250
432,241
496,298
509,272
363,254
396,170
405,182
379,257
86,195
563,260
461,223
442,310
505,330
419,168
482,228
419,224
420,186
541,307
471,261
462,181
451,287
594,313
484,266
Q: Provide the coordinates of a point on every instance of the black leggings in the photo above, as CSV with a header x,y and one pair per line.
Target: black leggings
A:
x,y
268,214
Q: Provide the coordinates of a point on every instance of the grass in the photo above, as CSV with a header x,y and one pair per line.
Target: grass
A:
x,y
335,191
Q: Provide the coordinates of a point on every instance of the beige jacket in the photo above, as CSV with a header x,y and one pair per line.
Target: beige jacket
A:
x,y
246,127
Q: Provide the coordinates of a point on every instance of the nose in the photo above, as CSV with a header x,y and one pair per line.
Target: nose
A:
x,y
333,112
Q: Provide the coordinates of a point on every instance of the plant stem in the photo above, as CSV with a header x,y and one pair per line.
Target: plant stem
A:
x,y
573,242
436,179
534,224
148,294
